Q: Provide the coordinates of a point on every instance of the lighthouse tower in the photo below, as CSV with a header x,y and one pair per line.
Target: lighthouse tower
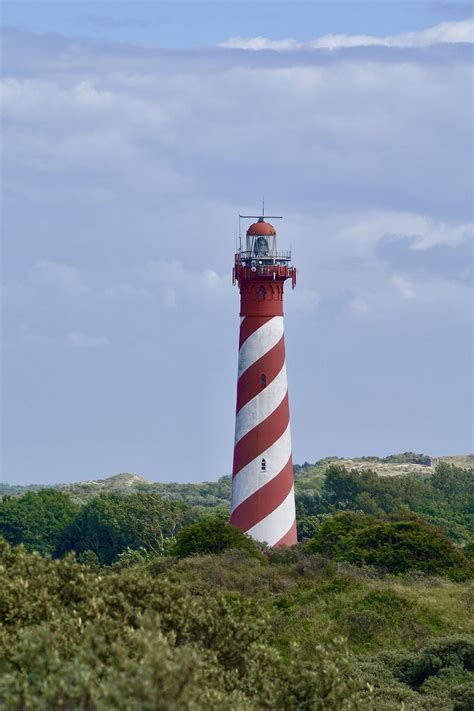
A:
x,y
263,501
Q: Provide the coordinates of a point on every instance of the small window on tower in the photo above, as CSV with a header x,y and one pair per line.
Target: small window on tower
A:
x,y
263,465
261,293
263,380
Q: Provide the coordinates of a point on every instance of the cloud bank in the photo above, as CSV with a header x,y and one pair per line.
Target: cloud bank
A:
x,y
452,32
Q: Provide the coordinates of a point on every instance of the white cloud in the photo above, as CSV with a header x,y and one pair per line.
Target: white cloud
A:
x,y
211,280
404,286
156,133
179,285
428,293
359,306
259,42
81,340
355,234
434,232
446,32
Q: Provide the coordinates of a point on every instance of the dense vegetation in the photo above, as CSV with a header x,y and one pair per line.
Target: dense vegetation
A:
x,y
232,630
143,601
445,499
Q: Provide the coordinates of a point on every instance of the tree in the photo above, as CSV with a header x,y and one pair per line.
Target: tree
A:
x,y
456,484
110,523
38,520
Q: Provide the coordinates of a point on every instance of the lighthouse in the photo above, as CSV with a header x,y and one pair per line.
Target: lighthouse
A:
x,y
263,500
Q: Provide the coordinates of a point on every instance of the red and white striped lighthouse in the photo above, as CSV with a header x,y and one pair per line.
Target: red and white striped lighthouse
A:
x,y
263,500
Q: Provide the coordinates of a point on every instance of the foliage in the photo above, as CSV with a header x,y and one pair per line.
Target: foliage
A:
x,y
455,485
307,526
446,499
350,489
38,520
455,652
212,535
159,605
408,458
439,675
110,523
73,639
373,485
396,546
229,631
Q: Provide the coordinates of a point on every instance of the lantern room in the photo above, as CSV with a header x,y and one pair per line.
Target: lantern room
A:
x,y
261,245
261,239
260,258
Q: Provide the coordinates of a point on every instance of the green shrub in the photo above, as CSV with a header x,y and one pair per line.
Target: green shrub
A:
x,y
437,677
396,546
408,458
212,535
75,639
456,652
462,696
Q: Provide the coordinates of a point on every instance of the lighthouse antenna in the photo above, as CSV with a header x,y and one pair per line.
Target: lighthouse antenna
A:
x,y
257,217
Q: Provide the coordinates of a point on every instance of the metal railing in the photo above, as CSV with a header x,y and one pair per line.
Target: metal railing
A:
x,y
275,256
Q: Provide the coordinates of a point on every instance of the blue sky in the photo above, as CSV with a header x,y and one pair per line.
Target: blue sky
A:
x,y
134,133
203,24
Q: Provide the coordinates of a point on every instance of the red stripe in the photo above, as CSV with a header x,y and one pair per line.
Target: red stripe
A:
x,y
265,500
262,436
250,383
249,325
290,538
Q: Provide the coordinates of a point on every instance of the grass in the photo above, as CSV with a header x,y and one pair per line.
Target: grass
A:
x,y
389,621
312,601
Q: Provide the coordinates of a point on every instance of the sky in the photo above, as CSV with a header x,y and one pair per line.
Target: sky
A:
x,y
135,133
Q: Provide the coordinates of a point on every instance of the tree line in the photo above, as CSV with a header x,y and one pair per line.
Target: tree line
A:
x,y
395,523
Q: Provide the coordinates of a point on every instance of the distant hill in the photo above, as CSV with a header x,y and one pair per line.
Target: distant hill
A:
x,y
393,465
218,492
83,490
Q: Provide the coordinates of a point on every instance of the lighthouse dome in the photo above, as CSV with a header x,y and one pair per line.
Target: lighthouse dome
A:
x,y
261,228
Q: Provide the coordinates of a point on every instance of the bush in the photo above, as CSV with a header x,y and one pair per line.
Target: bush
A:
x,y
437,677
463,696
394,546
408,458
212,535
74,639
456,652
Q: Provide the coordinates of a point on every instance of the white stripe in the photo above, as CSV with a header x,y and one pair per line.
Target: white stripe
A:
x,y
242,319
260,342
250,478
261,406
275,525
